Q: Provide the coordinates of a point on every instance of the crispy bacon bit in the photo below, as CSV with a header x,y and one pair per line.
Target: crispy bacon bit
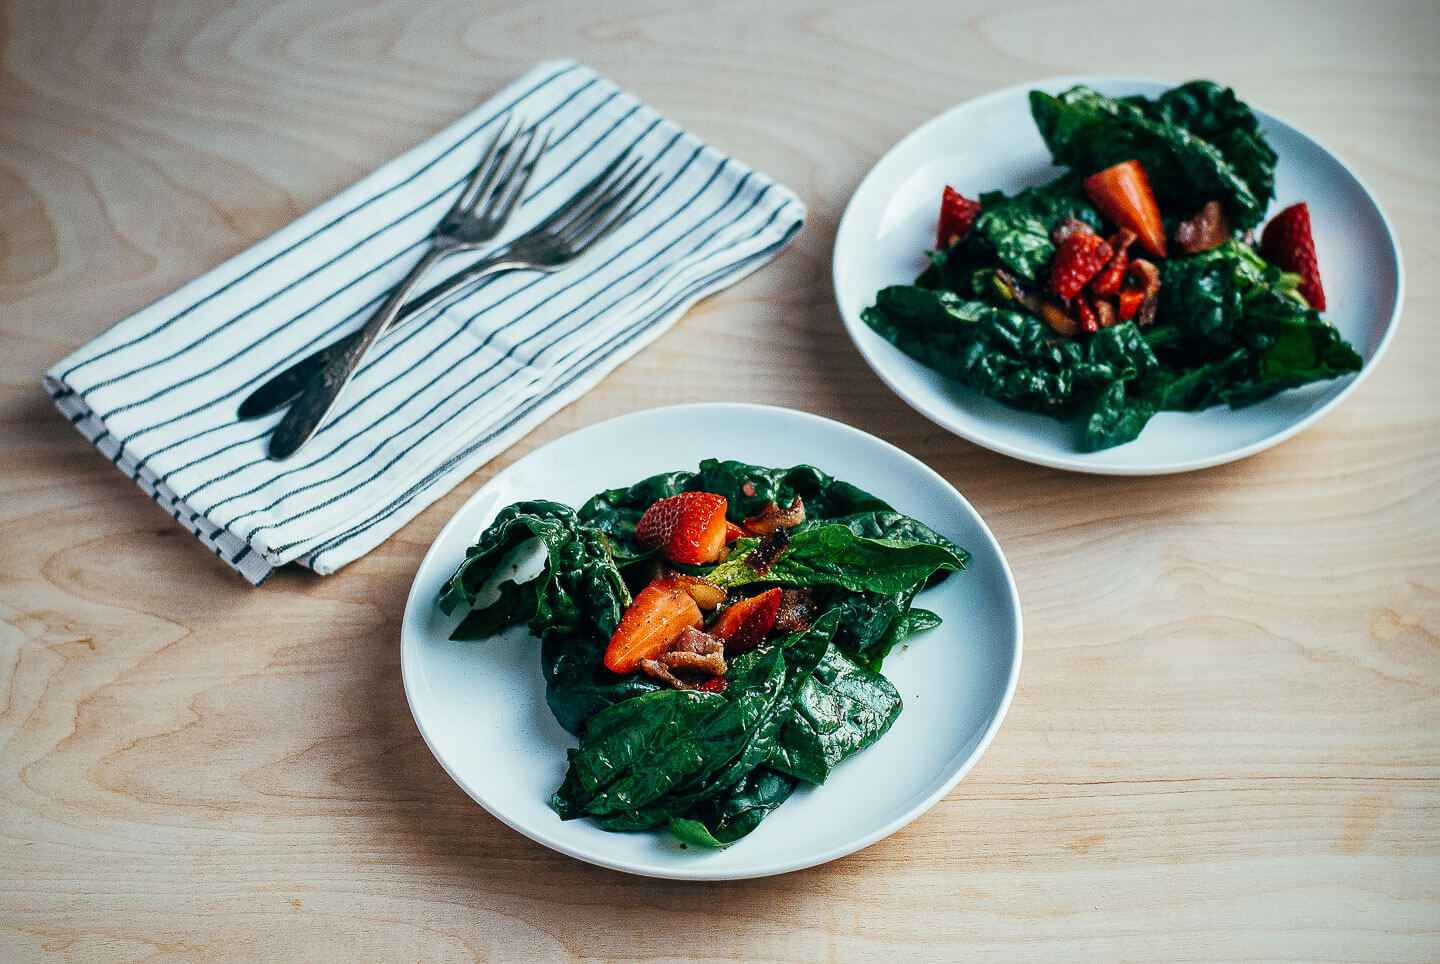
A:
x,y
697,641
1104,312
772,517
796,612
1204,232
749,489
1067,227
1045,307
691,663
770,549
657,669
1144,275
1054,314
712,663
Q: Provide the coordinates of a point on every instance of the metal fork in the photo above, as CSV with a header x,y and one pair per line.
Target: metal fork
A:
x,y
590,215
491,193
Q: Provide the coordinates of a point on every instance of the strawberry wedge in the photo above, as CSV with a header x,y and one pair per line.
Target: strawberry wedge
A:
x,y
689,528
746,623
660,613
1288,244
1123,194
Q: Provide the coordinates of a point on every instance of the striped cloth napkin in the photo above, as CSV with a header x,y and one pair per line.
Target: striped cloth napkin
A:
x,y
450,389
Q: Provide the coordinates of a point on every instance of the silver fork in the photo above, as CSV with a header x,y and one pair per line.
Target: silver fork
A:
x,y
491,193
594,212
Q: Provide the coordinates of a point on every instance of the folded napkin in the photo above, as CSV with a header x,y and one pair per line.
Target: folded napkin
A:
x,y
450,389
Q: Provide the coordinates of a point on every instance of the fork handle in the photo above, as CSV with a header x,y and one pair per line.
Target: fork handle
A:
x,y
316,401
283,388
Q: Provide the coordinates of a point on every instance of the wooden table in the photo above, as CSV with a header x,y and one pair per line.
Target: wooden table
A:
x,y
1224,741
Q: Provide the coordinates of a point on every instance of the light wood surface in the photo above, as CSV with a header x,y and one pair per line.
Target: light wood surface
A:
x,y
1224,742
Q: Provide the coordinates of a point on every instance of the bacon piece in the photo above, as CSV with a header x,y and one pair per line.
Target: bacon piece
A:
x,y
657,669
1143,275
770,549
796,612
697,641
691,662
711,663
1067,227
1204,232
772,517
1104,312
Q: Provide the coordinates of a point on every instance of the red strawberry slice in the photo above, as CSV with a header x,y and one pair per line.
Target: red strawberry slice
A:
x,y
745,624
660,613
1287,243
1080,257
1130,301
1107,282
690,527
1123,194
957,214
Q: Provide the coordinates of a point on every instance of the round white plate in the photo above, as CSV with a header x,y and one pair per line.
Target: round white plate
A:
x,y
481,705
991,143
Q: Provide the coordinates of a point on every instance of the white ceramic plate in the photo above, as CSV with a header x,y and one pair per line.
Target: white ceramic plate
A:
x,y
991,143
481,705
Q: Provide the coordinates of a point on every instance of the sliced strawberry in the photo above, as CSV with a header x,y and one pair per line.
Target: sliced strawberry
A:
x,y
1130,301
660,613
690,527
957,214
1123,194
1079,258
1107,282
733,532
1287,243
1085,314
715,684
746,623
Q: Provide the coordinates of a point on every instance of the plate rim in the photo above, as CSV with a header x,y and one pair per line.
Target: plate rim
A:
x,y
412,614
1076,461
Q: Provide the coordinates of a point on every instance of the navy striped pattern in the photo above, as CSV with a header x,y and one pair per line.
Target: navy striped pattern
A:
x,y
449,390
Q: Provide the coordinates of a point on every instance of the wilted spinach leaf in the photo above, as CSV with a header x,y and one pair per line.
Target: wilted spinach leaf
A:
x,y
724,819
833,555
578,588
577,684
839,710
1087,131
1017,229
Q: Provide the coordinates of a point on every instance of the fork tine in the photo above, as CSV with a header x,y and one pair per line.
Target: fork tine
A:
x,y
581,198
512,189
595,196
482,171
510,159
598,219
620,216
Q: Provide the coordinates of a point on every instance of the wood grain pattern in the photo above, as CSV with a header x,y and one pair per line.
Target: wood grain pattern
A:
x,y
1224,740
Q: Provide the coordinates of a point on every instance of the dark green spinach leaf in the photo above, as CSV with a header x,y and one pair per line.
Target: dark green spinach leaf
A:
x,y
578,588
833,555
1089,132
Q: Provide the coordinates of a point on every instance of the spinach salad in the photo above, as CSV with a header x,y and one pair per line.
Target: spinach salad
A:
x,y
713,638
1132,284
